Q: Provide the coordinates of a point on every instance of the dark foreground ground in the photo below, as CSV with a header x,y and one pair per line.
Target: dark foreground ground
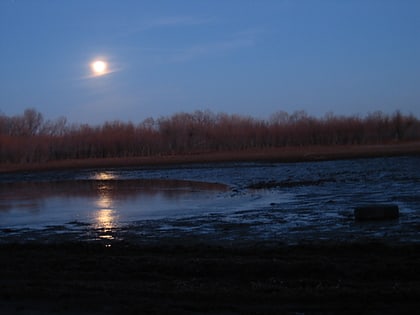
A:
x,y
86,278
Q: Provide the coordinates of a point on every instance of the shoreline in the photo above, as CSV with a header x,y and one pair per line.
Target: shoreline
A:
x,y
279,155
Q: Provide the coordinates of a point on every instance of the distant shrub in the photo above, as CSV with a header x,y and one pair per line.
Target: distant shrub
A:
x,y
28,138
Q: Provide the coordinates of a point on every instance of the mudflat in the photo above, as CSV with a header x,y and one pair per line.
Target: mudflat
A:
x,y
209,278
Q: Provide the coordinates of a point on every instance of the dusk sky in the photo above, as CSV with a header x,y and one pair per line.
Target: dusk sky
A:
x,y
244,57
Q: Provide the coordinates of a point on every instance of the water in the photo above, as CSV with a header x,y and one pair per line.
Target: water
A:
x,y
287,202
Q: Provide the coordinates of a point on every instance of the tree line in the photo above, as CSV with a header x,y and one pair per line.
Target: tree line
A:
x,y
29,138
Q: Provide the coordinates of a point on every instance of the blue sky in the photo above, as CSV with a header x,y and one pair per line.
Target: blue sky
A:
x,y
244,57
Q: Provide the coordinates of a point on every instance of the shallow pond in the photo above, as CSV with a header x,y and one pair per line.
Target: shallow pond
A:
x,y
288,202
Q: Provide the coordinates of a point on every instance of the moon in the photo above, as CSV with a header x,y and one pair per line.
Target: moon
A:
x,y
99,67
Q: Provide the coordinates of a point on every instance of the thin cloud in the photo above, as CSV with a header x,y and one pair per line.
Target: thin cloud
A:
x,y
90,75
162,55
177,21
238,40
214,48
168,21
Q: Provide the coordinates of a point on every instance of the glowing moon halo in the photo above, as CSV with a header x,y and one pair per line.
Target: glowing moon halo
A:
x,y
99,67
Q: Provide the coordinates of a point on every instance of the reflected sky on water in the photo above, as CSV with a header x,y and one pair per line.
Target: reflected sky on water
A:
x,y
103,201
229,200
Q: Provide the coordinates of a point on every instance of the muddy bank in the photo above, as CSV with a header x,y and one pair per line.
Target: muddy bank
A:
x,y
285,154
209,278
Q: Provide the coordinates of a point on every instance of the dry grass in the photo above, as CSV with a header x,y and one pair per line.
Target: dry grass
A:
x,y
287,154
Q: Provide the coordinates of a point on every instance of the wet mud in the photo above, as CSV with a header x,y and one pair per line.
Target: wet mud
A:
x,y
188,277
